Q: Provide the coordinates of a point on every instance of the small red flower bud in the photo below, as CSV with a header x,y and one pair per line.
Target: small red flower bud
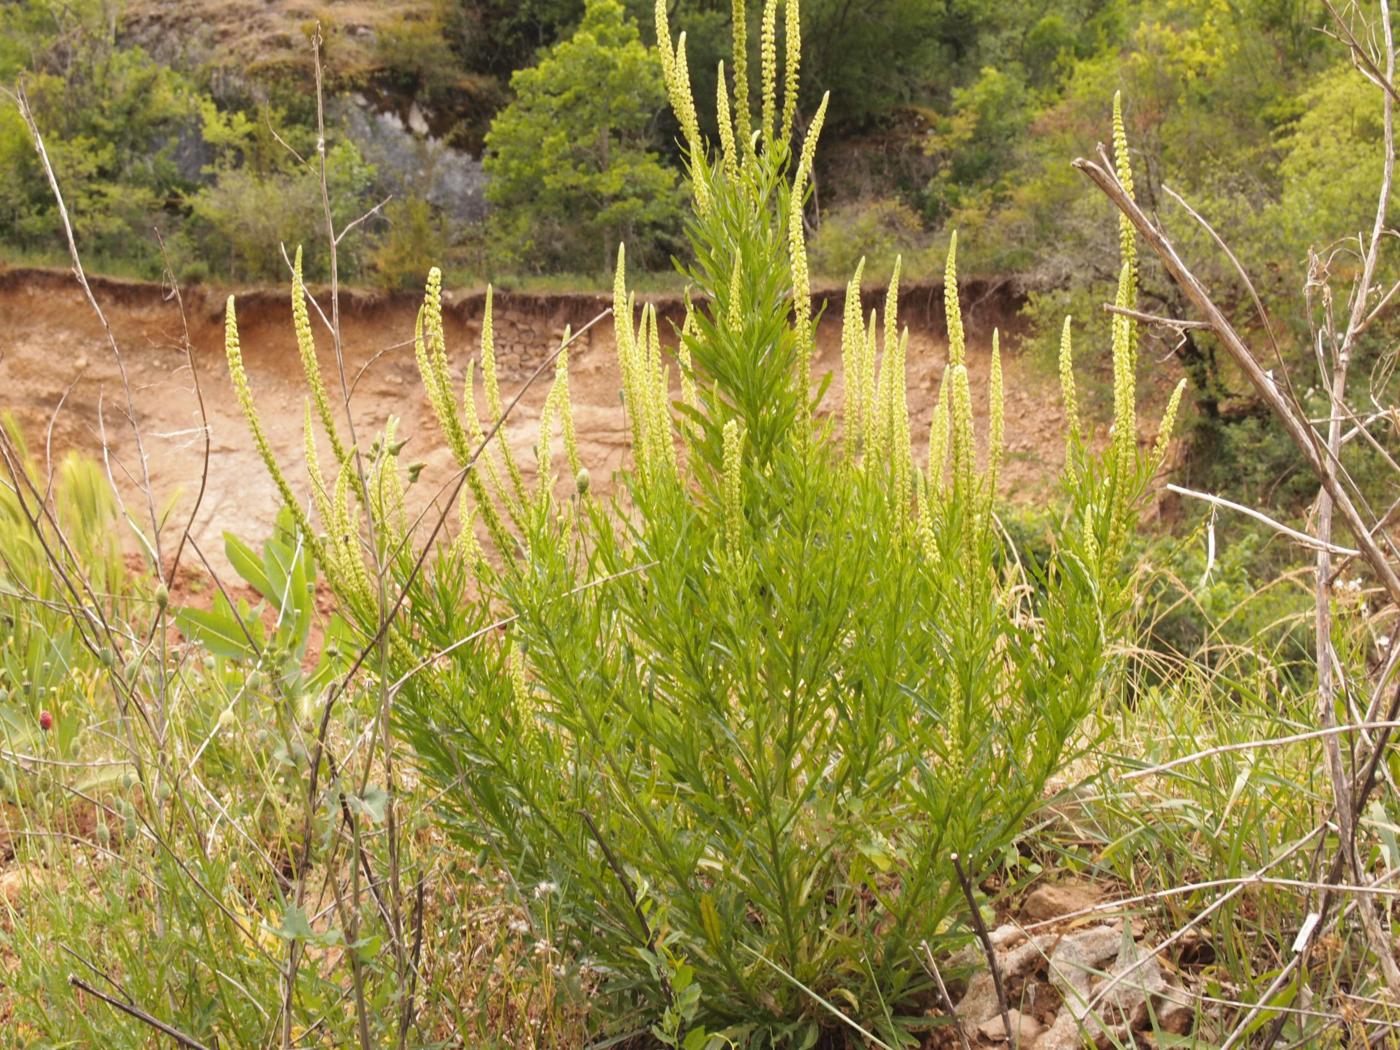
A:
x,y
45,720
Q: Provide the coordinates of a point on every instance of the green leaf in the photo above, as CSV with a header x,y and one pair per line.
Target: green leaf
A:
x,y
247,564
372,805
218,630
295,925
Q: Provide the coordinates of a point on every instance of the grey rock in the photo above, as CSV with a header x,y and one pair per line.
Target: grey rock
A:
x,y
409,161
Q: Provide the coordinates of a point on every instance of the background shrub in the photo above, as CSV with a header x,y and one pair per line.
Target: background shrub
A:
x,y
877,231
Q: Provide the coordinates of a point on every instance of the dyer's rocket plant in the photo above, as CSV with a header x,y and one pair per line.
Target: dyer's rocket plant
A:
x,y
745,710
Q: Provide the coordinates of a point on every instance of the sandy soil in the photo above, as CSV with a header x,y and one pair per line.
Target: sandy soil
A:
x,y
60,379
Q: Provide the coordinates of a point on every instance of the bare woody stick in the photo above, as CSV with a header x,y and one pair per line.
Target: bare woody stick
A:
x,y
1302,435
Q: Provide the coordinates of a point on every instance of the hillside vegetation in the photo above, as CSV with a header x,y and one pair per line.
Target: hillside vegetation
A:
x,y
702,685
516,141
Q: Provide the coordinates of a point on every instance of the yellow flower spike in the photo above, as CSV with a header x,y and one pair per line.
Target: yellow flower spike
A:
x,y
684,102
465,544
938,439
658,397
424,363
665,439
1124,394
869,391
432,327
740,33
952,309
661,450
1091,542
425,366
388,486
489,380
622,321
734,315
345,538
1164,433
1067,384
728,153
852,358
1124,168
485,460
900,443
244,394
768,54
663,44
627,354
544,479
566,409
339,524
631,352
319,492
880,429
437,388
996,397
809,144
892,306
963,452
476,433
1127,237
733,486
689,394
306,347
891,372
792,56
436,339
923,520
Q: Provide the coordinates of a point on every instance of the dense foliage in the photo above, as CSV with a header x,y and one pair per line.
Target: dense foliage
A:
x,y
695,757
567,158
731,730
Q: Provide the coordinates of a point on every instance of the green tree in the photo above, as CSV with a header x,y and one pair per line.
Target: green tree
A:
x,y
114,121
257,196
568,159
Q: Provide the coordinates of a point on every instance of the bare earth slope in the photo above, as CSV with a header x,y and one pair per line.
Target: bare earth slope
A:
x,y
59,378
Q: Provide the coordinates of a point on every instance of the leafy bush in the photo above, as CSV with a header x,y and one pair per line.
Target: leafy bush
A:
x,y
412,240
115,122
1217,598
259,197
878,231
568,159
728,731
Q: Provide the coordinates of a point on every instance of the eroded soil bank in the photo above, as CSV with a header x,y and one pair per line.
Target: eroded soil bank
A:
x,y
60,379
